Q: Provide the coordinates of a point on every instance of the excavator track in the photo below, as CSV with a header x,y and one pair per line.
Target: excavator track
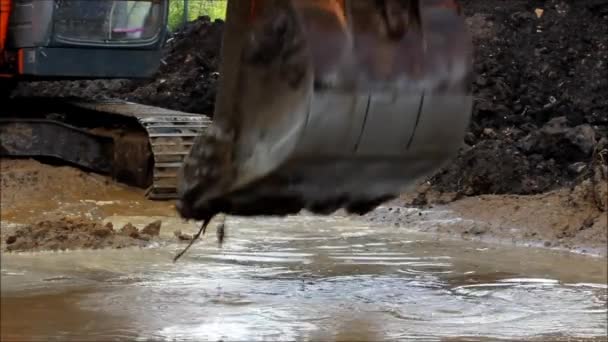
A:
x,y
171,135
151,163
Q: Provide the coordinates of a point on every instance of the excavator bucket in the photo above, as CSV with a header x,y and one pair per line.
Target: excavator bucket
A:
x,y
325,105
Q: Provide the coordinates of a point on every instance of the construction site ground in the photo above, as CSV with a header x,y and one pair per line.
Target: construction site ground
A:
x,y
533,171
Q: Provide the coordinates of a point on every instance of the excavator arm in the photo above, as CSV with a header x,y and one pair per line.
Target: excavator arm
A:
x,y
329,104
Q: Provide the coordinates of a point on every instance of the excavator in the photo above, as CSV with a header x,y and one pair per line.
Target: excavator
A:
x,y
322,105
48,40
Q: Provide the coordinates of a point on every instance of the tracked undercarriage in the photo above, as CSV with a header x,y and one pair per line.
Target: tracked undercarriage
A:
x,y
136,144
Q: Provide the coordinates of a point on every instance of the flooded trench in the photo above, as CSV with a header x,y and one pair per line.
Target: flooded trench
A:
x,y
304,278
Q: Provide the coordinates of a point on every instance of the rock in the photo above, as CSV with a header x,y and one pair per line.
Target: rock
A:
x,y
420,200
153,229
477,230
489,133
577,168
588,222
181,236
559,141
470,138
555,126
583,137
129,230
11,239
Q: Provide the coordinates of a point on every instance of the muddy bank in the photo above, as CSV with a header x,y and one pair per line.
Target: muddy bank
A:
x,y
77,233
51,207
46,207
31,191
568,219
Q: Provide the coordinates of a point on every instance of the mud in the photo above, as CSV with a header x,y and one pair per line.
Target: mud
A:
x,y
565,219
541,97
45,207
31,191
49,207
78,233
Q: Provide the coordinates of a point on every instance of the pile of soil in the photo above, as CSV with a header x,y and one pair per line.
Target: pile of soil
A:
x,y
81,233
186,80
541,97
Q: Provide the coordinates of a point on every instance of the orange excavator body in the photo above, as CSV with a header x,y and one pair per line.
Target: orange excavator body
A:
x,y
5,14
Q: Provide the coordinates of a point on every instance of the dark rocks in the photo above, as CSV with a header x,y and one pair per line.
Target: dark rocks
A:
x,y
559,141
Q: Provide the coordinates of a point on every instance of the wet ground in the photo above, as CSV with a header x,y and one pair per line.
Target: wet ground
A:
x,y
303,278
299,278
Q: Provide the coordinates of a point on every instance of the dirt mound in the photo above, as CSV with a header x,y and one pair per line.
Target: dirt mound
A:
x,y
186,80
541,96
78,233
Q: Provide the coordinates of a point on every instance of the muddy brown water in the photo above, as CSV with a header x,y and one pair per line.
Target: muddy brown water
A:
x,y
304,278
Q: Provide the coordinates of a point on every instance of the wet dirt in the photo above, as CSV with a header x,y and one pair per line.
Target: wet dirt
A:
x,y
31,191
45,207
561,219
71,234
541,96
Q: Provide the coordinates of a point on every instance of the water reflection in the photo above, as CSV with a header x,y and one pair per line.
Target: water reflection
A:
x,y
305,278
